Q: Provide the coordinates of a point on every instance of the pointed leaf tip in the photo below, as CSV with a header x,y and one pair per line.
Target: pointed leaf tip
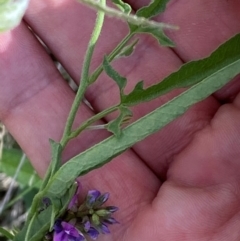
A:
x,y
124,7
113,74
153,9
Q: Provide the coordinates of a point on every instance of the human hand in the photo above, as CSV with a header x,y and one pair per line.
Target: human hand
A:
x,y
179,184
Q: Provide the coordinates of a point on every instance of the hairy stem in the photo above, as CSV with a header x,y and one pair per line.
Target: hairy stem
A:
x,y
84,82
91,120
133,19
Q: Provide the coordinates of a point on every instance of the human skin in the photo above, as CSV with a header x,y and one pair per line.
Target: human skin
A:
x,y
181,183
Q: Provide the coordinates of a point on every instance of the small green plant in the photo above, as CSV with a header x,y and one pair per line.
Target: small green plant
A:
x,y
55,213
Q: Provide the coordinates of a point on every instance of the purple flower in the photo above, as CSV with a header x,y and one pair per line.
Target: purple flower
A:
x,y
103,198
104,228
110,220
64,231
89,230
112,209
87,226
93,233
92,197
88,219
100,216
96,199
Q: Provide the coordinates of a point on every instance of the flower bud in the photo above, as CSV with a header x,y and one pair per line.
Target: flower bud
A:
x,y
112,209
103,212
95,219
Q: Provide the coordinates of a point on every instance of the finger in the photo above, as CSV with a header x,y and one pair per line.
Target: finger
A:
x,y
203,25
149,62
212,157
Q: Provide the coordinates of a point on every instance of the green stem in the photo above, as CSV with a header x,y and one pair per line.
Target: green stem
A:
x,y
84,82
110,57
91,121
30,227
128,17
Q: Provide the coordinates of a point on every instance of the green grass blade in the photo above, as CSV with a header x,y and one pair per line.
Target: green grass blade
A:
x,y
7,234
26,176
19,196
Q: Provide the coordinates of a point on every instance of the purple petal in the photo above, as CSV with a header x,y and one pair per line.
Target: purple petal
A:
x,y
93,233
103,198
104,229
61,236
58,226
80,238
87,226
110,220
94,193
75,197
70,229
64,231
92,196
112,209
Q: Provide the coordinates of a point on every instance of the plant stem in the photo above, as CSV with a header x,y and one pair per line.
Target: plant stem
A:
x,y
30,224
91,121
133,19
84,82
110,57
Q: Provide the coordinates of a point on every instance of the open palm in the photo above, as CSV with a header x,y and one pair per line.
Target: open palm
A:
x,y
181,183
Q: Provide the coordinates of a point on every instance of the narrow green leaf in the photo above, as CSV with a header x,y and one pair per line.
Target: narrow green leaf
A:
x,y
53,167
55,162
56,159
115,125
23,194
153,9
191,73
7,234
127,50
104,151
124,7
112,73
39,227
26,176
